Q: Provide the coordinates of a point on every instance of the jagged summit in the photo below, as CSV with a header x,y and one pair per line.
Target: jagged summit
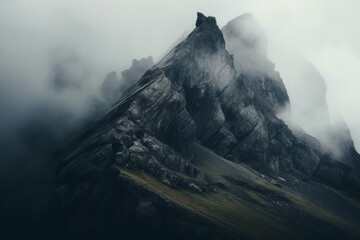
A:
x,y
204,41
202,19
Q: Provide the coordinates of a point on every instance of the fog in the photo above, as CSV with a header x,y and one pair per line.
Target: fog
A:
x,y
105,35
54,55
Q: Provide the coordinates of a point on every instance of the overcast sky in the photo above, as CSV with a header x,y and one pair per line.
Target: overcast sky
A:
x,y
106,35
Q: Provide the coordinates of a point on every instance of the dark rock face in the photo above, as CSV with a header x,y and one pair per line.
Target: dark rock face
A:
x,y
194,94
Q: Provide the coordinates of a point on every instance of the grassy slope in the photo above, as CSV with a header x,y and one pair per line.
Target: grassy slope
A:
x,y
244,202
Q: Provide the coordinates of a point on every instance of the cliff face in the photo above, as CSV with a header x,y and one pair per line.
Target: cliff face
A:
x,y
198,93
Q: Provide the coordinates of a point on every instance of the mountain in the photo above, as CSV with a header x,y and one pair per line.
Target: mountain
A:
x,y
195,150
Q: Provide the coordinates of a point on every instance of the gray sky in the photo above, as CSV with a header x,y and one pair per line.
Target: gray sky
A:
x,y
105,35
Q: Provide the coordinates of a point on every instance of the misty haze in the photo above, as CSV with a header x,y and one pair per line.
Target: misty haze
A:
x,y
179,119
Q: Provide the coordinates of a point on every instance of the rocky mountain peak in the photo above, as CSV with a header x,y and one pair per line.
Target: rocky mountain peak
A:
x,y
207,34
203,50
202,19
